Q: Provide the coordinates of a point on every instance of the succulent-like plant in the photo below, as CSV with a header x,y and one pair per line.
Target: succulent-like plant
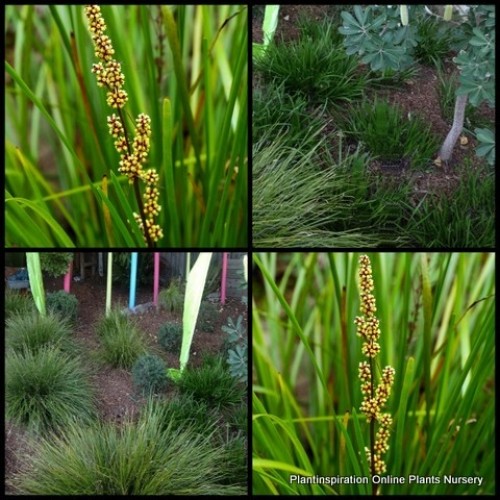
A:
x,y
374,397
169,337
236,346
237,361
150,374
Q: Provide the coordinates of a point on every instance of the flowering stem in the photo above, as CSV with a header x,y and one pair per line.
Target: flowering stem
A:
x,y
374,398
141,211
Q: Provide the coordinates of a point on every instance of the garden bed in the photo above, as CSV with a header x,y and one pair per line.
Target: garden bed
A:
x,y
402,205
117,398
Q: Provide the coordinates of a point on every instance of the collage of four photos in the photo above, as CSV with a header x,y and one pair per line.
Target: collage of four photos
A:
x,y
355,252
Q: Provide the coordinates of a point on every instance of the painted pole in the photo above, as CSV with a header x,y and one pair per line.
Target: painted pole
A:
x,y
156,283
67,278
101,264
36,281
224,279
133,280
109,283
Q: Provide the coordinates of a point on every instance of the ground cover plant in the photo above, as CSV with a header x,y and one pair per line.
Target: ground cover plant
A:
x,y
85,405
340,162
328,329
159,130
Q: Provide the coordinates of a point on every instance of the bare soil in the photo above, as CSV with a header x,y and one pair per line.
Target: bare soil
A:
x,y
116,396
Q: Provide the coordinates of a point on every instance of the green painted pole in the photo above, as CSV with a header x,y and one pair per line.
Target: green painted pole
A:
x,y
36,280
109,284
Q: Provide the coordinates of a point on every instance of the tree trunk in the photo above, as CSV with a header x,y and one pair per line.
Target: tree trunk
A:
x,y
456,129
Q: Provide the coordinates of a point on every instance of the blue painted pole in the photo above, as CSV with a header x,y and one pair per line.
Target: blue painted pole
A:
x,y
133,280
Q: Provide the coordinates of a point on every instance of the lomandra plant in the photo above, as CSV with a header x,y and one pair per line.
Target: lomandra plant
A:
x,y
182,71
437,322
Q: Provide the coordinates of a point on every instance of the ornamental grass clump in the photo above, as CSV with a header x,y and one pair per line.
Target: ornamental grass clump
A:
x,y
374,397
133,155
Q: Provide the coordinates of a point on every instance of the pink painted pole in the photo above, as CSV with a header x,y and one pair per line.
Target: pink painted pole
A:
x,y
67,278
156,283
224,275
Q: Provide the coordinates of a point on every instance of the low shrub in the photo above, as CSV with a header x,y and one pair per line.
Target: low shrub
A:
x,y
55,263
149,457
63,303
170,337
150,374
211,383
121,341
46,390
31,331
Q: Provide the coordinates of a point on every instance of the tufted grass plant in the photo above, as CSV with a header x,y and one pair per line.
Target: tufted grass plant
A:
x,y
145,457
437,315
433,223
17,303
435,40
389,134
31,331
315,66
211,383
185,67
273,106
183,410
172,297
305,197
121,341
47,390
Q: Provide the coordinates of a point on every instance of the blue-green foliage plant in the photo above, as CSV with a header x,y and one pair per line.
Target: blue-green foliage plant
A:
x,y
237,348
384,38
64,304
150,374
170,337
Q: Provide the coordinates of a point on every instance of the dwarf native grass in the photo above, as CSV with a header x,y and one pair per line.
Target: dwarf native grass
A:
x,y
132,156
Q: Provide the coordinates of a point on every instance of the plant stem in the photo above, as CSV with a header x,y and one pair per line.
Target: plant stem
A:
x,y
141,211
372,435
